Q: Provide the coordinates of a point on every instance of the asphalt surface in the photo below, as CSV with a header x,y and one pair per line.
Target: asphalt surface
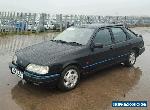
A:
x,y
95,92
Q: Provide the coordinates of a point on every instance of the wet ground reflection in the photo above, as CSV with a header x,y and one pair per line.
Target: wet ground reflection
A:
x,y
11,44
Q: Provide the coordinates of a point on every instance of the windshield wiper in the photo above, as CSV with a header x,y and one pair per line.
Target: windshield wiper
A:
x,y
61,41
76,43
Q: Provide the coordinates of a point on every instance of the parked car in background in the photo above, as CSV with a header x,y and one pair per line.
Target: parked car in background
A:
x,y
20,26
75,51
35,27
29,26
57,25
6,27
48,26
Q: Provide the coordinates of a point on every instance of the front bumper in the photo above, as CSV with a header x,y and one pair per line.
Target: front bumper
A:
x,y
50,78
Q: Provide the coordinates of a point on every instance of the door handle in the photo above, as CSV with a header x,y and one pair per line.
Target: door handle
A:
x,y
128,43
111,47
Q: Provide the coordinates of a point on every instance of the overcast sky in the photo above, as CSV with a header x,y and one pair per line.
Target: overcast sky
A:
x,y
90,7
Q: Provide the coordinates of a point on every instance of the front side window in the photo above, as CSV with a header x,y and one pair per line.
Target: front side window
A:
x,y
103,37
119,34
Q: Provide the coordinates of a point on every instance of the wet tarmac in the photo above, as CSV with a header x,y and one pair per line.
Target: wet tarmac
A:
x,y
95,92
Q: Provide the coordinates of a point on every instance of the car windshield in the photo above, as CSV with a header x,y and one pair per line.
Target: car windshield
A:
x,y
76,35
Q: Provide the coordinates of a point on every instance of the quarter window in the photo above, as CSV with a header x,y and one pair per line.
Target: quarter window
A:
x,y
103,37
119,35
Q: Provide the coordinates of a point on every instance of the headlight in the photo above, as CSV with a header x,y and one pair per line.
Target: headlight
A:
x,y
38,69
14,60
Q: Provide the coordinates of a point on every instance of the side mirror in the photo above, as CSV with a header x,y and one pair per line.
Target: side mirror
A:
x,y
98,45
140,35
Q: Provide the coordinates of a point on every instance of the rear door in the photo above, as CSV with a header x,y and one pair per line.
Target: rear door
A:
x,y
120,47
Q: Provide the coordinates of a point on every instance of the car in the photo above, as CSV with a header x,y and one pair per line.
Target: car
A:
x,y
29,27
57,26
48,26
20,26
6,27
36,27
77,51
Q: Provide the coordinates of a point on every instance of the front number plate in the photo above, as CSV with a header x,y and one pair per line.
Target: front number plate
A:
x,y
17,72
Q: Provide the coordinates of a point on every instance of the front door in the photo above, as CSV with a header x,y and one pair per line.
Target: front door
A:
x,y
101,57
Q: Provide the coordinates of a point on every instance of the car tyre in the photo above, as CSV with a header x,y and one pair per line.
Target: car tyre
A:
x,y
131,59
69,78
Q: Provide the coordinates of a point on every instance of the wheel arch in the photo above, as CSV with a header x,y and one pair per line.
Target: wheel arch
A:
x,y
136,49
72,64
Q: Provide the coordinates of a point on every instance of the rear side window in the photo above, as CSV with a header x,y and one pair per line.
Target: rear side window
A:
x,y
103,37
119,34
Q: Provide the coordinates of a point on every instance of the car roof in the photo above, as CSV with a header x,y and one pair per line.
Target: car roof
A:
x,y
100,25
